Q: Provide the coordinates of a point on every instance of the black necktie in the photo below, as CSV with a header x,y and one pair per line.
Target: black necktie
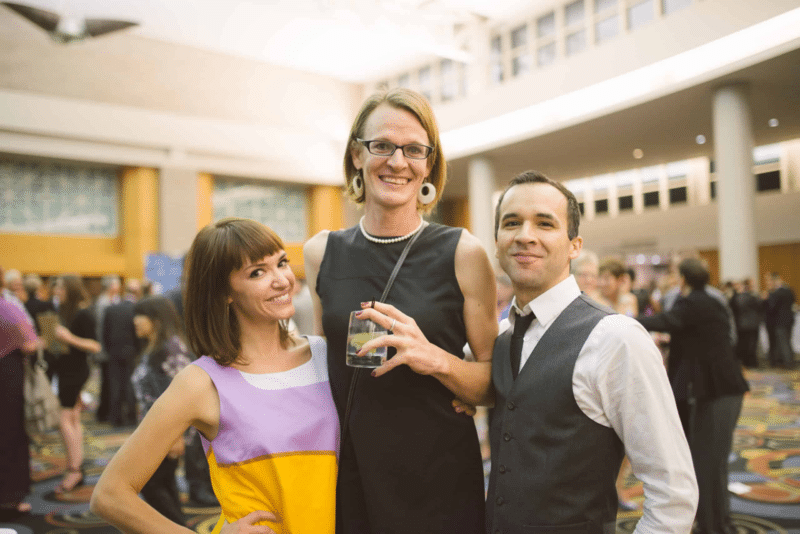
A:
x,y
521,325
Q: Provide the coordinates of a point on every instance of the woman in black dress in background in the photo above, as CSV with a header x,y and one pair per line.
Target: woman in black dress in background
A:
x,y
77,331
409,462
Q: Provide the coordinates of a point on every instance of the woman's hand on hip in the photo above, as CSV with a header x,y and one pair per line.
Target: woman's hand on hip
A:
x,y
413,348
246,525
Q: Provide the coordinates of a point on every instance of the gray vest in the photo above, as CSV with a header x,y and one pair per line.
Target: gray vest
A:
x,y
552,466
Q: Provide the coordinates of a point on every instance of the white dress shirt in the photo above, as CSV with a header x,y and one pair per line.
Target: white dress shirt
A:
x,y
620,382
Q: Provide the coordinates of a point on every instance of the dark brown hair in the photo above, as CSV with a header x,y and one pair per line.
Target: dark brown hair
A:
x,y
417,105
75,298
613,266
535,177
218,250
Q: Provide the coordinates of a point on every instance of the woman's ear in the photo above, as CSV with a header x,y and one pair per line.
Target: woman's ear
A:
x,y
357,155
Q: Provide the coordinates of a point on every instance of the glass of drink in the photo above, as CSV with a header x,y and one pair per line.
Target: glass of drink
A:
x,y
360,332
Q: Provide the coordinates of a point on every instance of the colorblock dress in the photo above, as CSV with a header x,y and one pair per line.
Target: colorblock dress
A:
x,y
278,444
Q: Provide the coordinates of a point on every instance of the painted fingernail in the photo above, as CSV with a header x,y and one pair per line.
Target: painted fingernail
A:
x,y
373,373
358,313
365,304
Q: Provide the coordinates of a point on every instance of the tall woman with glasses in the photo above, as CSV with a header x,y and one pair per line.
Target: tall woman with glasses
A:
x,y
409,461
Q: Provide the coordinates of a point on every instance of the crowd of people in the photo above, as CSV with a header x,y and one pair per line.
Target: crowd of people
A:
x,y
590,375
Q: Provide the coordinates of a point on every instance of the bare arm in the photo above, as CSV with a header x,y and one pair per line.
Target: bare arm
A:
x,y
81,343
189,400
469,381
313,251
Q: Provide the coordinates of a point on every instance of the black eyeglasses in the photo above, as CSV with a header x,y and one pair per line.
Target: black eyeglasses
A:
x,y
385,148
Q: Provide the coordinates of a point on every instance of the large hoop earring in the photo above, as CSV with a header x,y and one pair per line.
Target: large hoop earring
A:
x,y
358,185
426,193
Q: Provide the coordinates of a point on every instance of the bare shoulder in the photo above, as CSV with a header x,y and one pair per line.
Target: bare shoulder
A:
x,y
470,253
314,248
194,390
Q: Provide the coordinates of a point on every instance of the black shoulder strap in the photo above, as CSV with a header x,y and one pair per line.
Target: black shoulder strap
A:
x,y
357,371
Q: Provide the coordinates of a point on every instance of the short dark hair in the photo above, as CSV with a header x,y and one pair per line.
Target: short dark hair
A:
x,y
218,250
614,266
535,177
694,272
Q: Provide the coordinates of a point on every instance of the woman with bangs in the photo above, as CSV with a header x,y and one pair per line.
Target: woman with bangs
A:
x,y
259,397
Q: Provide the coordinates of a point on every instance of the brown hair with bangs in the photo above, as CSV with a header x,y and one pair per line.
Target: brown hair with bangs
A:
x,y
218,250
416,104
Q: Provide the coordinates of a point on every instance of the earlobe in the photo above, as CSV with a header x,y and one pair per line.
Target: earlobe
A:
x,y
576,245
355,154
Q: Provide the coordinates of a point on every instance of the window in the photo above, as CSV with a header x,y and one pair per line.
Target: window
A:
x,y
601,206
58,198
545,44
669,6
678,195
603,5
766,154
546,54
576,42
573,13
625,202
425,82
768,181
606,29
520,58
640,13
651,199
581,208
449,80
281,208
546,25
713,187
496,60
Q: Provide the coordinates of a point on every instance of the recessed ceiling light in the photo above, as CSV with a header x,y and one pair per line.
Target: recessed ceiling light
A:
x,y
637,153
773,123
700,139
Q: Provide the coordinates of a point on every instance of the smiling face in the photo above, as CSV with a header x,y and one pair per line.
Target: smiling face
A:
x,y
532,242
262,290
609,286
144,327
391,181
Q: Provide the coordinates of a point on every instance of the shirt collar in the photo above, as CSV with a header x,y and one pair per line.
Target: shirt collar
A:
x,y
549,304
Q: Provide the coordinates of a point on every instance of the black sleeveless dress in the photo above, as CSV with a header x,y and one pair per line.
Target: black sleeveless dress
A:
x,y
409,463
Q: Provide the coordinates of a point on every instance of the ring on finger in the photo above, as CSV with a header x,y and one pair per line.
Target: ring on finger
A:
x,y
394,322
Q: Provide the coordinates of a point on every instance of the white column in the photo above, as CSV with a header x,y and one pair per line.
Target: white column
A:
x,y
481,212
733,156
177,209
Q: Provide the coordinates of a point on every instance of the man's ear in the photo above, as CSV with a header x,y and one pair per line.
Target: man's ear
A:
x,y
575,247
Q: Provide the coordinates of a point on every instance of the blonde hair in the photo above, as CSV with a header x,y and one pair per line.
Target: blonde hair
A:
x,y
417,105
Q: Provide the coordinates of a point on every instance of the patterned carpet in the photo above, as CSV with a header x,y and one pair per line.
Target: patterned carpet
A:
x,y
765,470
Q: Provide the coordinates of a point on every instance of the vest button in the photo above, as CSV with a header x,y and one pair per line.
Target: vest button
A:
x,y
510,405
499,501
507,437
497,531
502,469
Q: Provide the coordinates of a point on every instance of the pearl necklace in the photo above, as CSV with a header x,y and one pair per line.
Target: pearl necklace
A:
x,y
387,240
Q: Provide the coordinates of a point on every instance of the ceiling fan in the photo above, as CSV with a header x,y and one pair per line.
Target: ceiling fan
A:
x,y
68,29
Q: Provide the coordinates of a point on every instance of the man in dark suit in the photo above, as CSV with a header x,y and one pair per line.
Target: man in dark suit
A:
x,y
779,318
121,345
577,386
747,311
708,385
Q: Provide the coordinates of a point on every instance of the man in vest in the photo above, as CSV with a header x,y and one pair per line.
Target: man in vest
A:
x,y
577,387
